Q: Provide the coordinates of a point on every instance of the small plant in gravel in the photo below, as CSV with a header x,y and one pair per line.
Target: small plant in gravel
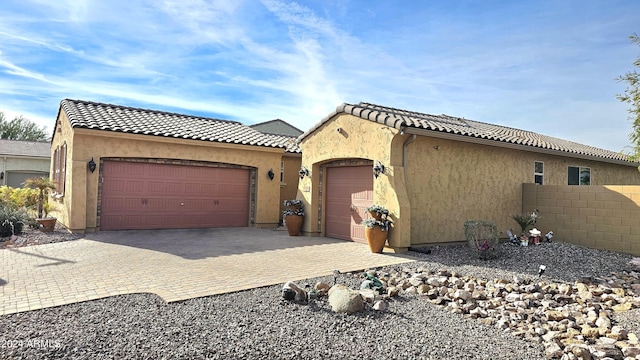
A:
x,y
482,237
526,220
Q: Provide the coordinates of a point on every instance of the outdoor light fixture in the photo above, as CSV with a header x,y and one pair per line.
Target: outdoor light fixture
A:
x,y
271,174
303,172
1,175
378,169
541,270
91,165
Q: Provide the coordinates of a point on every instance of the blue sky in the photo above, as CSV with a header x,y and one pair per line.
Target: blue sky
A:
x,y
544,66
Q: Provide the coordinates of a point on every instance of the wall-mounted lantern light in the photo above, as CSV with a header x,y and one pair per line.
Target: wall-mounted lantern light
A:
x,y
303,172
91,165
271,174
1,175
378,169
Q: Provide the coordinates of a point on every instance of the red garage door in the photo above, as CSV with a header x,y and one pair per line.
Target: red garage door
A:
x,y
349,192
159,196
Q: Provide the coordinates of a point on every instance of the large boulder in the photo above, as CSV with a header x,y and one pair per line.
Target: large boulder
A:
x,y
345,300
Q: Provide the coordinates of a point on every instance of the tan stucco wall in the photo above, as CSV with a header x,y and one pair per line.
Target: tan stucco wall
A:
x,y
450,182
289,188
80,203
357,139
433,185
602,217
62,204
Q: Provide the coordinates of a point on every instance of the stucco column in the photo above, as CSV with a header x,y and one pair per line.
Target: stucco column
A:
x,y
392,189
309,192
76,199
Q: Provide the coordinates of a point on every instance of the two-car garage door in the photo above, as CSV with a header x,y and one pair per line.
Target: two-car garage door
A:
x,y
161,196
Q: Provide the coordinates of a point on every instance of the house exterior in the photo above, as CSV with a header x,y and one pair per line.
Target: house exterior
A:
x,y
127,168
20,160
439,171
277,127
290,163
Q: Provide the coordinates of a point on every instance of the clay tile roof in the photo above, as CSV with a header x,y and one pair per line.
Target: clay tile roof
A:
x,y
107,117
25,148
399,119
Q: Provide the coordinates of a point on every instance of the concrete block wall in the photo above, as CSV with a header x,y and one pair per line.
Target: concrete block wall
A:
x,y
604,217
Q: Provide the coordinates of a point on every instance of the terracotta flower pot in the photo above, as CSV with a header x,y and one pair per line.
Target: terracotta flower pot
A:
x,y
47,225
294,224
376,238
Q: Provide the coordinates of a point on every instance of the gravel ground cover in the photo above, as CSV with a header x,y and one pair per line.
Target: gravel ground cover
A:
x,y
259,324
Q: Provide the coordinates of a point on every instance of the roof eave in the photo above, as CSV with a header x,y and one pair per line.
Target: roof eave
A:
x,y
507,145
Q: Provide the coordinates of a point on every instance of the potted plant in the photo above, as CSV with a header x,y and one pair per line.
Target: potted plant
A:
x,y
377,227
377,212
43,185
526,220
293,216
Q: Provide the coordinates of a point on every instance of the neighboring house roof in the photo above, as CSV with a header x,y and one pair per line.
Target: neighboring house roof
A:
x,y
467,130
25,148
116,118
277,127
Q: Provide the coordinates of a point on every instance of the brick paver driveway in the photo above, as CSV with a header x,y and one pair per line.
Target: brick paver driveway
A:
x,y
174,264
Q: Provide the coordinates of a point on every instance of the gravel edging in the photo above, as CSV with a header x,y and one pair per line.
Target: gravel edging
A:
x,y
258,324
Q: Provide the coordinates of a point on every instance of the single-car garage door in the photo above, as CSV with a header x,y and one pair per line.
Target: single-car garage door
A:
x,y
349,192
160,196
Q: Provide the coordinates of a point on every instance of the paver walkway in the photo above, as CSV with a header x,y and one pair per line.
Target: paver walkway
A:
x,y
174,264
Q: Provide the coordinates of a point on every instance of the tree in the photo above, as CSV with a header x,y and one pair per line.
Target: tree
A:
x,y
43,185
632,97
21,129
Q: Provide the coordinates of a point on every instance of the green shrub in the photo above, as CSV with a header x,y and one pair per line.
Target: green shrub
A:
x,y
12,220
19,197
482,237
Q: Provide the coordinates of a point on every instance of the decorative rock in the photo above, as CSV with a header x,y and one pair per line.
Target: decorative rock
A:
x,y
606,351
589,331
344,300
622,307
368,295
322,288
380,305
631,351
412,290
553,350
392,291
292,292
581,352
618,333
463,295
554,315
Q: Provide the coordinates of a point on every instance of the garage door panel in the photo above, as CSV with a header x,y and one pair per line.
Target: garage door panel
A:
x,y
174,187
155,204
172,196
349,192
157,187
